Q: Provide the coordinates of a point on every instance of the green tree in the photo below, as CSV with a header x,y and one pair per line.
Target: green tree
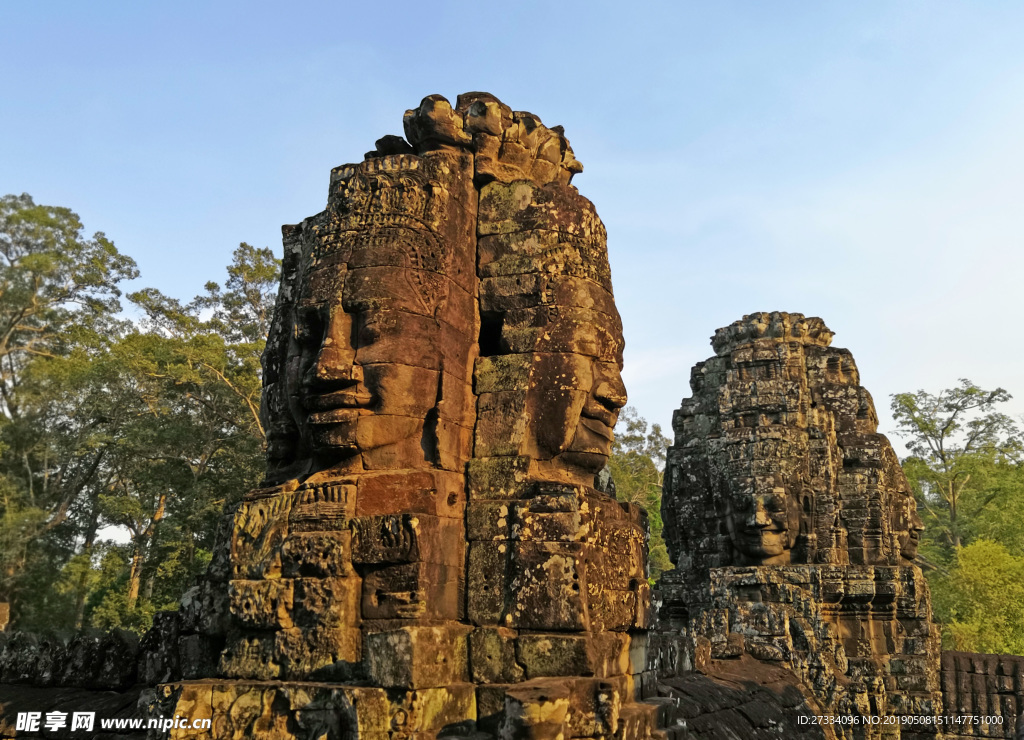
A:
x,y
222,354
242,313
982,598
53,284
963,463
150,426
966,472
637,465
197,442
58,290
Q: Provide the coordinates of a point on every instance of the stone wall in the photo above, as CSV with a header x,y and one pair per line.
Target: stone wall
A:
x,y
990,687
91,659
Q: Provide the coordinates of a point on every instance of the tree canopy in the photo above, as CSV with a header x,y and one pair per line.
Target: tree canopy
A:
x,y
637,466
150,426
966,471
964,459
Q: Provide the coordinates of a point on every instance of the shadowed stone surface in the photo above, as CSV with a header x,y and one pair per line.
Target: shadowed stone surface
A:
x,y
987,686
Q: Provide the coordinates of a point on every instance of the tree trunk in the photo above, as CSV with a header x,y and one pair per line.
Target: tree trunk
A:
x,y
954,531
139,547
135,578
80,589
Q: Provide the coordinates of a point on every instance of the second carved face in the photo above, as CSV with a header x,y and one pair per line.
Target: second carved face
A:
x,y
758,524
576,391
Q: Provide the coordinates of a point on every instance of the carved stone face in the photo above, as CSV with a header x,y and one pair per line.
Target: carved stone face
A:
x,y
362,369
762,467
606,397
759,526
573,425
576,390
908,526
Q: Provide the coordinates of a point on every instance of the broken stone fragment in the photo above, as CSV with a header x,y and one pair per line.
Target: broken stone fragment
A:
x,y
536,711
434,124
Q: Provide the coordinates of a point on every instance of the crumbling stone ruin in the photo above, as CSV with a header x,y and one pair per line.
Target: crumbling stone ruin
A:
x,y
794,532
435,551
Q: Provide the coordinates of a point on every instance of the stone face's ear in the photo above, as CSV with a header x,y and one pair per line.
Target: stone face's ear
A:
x,y
793,518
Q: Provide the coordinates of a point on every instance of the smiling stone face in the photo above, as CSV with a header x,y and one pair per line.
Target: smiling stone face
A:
x,y
546,303
778,459
576,392
758,526
362,351
371,369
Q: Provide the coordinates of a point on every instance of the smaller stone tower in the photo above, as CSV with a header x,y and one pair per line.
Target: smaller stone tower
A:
x,y
793,527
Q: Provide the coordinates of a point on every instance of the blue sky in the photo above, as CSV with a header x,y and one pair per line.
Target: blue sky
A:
x,y
862,162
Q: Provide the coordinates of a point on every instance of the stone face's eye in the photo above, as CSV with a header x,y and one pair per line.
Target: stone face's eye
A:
x,y
309,324
370,331
741,502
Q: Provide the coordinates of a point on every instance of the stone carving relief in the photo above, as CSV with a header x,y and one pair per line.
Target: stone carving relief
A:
x,y
779,458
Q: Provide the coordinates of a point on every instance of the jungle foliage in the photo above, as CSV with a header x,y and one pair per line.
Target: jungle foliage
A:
x,y
637,465
148,426
967,473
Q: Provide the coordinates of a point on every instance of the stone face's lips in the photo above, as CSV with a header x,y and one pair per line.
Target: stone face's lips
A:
x,y
766,539
604,416
758,531
334,416
353,398
597,426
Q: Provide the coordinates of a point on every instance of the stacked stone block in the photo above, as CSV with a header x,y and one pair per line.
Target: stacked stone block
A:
x,y
571,560
358,550
987,687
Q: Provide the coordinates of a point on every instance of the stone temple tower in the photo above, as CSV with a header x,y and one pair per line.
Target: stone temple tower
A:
x,y
793,527
429,554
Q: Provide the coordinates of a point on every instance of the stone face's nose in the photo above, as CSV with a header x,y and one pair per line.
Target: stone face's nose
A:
x,y
611,392
335,361
757,515
916,523
334,366
610,397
